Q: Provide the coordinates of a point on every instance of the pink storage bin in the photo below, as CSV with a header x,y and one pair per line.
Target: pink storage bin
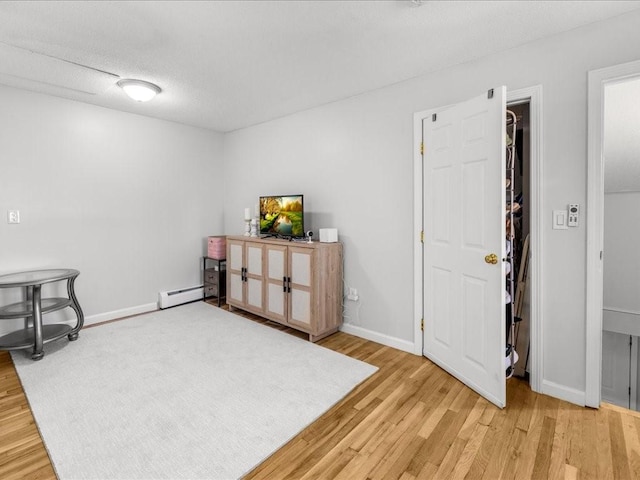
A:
x,y
217,247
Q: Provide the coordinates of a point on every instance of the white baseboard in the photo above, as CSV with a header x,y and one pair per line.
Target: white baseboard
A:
x,y
393,342
563,392
125,312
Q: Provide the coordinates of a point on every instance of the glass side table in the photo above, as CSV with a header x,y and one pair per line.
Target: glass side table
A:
x,y
35,306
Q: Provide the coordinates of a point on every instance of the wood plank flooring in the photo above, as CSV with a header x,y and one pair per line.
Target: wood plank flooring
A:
x,y
22,453
410,420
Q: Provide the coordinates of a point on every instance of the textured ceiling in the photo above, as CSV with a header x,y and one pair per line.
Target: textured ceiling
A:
x,y
230,64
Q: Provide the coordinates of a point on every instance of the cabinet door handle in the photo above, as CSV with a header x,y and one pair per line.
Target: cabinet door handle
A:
x,y
284,284
289,284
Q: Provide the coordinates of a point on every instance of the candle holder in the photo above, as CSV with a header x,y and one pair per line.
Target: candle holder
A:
x,y
247,227
254,227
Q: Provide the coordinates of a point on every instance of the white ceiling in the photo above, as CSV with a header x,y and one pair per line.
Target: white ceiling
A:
x,y
230,64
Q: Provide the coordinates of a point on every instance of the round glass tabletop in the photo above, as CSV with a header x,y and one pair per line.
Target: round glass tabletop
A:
x,y
36,277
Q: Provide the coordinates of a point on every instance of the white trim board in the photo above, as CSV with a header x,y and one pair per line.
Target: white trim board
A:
x,y
106,316
117,314
418,259
621,321
563,392
598,79
381,338
534,96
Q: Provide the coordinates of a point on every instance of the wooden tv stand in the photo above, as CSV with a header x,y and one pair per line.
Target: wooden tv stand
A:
x,y
296,284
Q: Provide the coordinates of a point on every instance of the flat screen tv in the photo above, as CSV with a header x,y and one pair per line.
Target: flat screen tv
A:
x,y
282,215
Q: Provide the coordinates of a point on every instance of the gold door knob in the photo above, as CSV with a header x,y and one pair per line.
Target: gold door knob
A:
x,y
492,259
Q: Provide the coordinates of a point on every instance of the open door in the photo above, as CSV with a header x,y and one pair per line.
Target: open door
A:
x,y
464,241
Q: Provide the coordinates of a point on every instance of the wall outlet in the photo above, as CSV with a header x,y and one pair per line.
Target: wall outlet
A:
x,y
353,294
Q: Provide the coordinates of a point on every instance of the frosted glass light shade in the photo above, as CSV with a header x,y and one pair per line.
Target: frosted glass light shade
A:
x,y
139,90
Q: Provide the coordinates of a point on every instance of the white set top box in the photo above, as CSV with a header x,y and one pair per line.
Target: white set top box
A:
x,y
328,235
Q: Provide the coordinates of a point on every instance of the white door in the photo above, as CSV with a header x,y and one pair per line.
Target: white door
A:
x,y
464,242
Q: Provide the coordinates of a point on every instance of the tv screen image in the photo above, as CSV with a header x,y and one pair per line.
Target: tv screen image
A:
x,y
282,215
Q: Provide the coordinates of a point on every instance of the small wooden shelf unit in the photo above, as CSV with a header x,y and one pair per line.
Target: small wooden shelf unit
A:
x,y
292,283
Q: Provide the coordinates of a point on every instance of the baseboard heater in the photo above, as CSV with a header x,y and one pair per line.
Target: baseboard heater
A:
x,y
179,296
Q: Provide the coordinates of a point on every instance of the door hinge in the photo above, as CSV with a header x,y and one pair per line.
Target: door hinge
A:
x,y
422,236
422,324
421,148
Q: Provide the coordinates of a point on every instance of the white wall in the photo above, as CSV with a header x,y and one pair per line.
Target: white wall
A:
x,y
621,151
127,200
360,186
621,266
621,292
621,269
353,161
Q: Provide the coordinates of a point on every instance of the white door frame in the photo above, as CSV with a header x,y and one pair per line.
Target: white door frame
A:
x,y
598,79
534,96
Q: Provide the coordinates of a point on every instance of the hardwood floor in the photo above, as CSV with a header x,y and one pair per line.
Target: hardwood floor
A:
x,y
22,453
410,420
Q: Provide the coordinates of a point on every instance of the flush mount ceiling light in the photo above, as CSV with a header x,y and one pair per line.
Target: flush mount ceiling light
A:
x,y
139,90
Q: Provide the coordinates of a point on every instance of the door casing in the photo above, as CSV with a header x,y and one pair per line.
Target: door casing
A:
x,y
533,95
598,79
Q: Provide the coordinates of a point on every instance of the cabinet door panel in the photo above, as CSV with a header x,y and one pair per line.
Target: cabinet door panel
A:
x,y
235,262
300,267
254,293
276,270
254,259
235,288
276,301
276,257
300,298
300,308
235,256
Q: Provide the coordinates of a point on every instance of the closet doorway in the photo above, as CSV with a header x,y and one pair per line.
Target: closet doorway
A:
x,y
458,297
520,242
617,315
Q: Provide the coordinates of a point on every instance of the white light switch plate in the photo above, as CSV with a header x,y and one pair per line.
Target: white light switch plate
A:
x,y
560,220
13,216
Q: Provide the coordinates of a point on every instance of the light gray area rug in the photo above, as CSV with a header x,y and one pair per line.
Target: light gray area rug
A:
x,y
192,392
